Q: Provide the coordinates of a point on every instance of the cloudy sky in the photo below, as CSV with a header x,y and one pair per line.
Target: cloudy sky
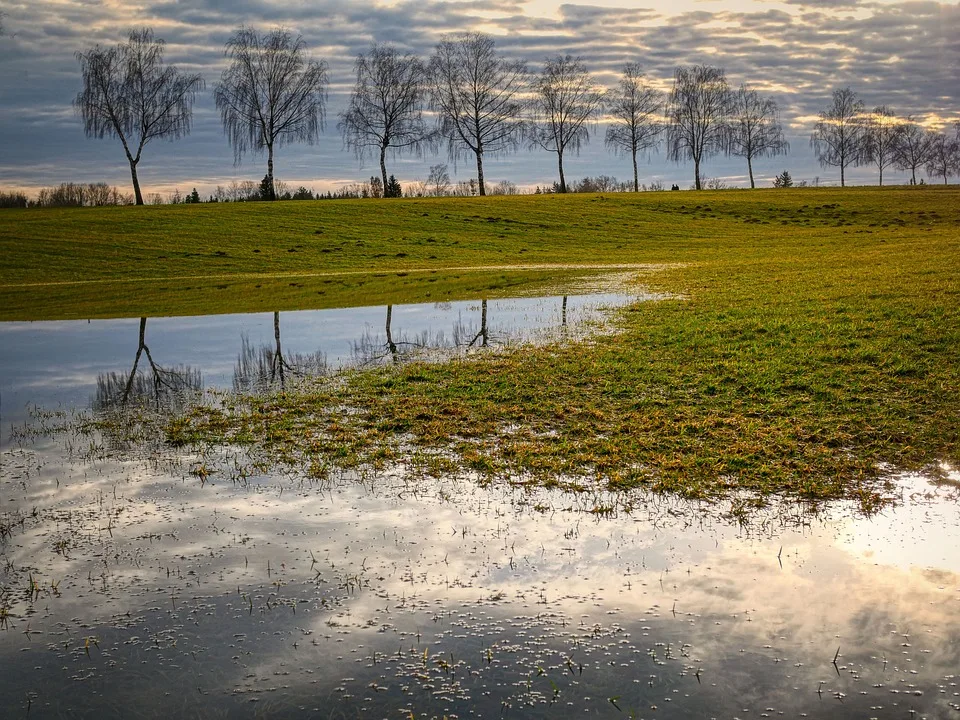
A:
x,y
903,54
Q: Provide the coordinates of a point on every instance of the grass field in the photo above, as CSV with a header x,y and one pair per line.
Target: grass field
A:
x,y
815,339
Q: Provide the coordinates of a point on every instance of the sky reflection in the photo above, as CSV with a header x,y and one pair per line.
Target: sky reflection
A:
x,y
365,598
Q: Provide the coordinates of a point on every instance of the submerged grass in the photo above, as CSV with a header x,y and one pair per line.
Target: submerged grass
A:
x,y
815,339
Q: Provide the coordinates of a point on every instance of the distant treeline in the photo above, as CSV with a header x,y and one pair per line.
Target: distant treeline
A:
x,y
69,195
102,195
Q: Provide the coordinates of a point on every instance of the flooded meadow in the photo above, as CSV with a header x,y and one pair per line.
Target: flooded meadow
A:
x,y
142,580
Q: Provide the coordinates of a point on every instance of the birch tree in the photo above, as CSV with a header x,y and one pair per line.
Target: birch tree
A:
x,y
913,148
271,94
697,112
755,129
565,101
477,95
881,136
636,112
837,137
128,93
944,159
385,113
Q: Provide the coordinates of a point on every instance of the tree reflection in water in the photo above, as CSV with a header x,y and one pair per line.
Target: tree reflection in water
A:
x,y
373,348
163,387
260,367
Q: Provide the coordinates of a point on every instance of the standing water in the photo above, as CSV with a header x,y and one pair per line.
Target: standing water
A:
x,y
149,582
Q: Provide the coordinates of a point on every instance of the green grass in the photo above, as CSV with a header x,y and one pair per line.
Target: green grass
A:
x,y
190,259
816,337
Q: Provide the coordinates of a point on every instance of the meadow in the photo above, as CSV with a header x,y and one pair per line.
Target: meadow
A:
x,y
808,350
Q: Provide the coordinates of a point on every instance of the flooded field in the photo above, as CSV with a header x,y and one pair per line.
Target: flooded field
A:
x,y
145,582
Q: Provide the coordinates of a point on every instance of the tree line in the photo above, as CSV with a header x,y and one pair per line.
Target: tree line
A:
x,y
273,93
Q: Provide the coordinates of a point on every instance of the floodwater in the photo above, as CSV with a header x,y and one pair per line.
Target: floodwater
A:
x,y
71,364
132,585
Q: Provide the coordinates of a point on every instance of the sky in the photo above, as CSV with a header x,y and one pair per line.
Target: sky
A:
x,y
902,54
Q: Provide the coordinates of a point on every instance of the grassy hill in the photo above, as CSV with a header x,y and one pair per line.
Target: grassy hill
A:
x,y
190,259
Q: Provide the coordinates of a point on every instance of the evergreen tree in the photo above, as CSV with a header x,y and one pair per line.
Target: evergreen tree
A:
x,y
266,188
393,189
783,180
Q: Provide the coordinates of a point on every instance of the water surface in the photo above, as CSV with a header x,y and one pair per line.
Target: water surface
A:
x,y
149,582
59,364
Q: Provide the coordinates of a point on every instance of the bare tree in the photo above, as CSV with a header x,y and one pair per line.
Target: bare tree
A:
x,y
386,107
439,180
913,148
636,111
129,94
838,136
944,160
565,101
477,95
272,94
755,129
881,136
697,115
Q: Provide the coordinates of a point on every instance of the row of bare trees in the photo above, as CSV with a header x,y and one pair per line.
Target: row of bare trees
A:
x,y
273,93
488,105
847,135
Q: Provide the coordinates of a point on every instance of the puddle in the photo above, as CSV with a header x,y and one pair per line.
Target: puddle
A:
x,y
132,589
149,583
66,364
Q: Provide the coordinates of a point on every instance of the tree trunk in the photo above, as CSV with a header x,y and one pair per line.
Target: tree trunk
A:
x,y
136,181
141,344
841,174
483,323
913,176
881,177
276,335
696,170
273,189
636,180
563,182
750,170
391,345
480,184
383,168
